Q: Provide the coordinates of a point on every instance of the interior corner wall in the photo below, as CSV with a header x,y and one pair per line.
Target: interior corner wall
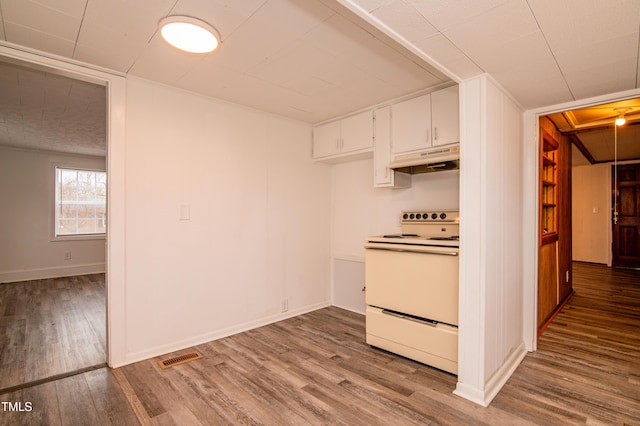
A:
x,y
591,217
226,217
27,251
491,286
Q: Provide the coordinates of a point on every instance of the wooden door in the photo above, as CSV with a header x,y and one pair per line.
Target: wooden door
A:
x,y
626,232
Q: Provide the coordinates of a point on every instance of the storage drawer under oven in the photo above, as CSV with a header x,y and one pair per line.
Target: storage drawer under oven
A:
x,y
431,344
421,283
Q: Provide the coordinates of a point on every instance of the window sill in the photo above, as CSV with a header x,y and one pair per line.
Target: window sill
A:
x,y
88,237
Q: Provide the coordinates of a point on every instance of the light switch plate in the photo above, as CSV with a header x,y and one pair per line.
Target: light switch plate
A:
x,y
185,212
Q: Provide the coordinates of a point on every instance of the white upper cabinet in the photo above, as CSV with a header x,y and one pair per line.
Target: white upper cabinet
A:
x,y
383,176
353,134
425,121
445,116
411,124
326,139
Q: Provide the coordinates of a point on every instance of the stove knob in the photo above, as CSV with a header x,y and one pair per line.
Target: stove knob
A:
x,y
418,216
434,216
412,216
443,216
405,216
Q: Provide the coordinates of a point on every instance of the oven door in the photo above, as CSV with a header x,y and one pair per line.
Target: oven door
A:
x,y
413,279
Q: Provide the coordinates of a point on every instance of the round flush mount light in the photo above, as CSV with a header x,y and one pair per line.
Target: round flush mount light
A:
x,y
189,34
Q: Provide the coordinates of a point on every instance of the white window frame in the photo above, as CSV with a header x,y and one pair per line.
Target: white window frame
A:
x,y
54,206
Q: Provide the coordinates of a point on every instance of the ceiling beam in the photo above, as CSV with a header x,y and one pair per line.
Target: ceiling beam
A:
x,y
583,149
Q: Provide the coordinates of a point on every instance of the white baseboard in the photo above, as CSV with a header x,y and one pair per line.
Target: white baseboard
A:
x,y
496,382
51,272
219,334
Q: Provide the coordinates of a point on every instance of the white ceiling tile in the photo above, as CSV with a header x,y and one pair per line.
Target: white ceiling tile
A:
x,y
74,8
247,46
114,32
442,51
591,29
443,14
571,24
308,86
295,17
338,72
38,40
30,14
484,34
299,59
337,35
387,65
164,63
527,69
108,55
224,15
405,20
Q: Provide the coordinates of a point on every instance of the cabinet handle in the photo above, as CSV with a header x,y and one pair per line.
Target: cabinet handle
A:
x,y
435,134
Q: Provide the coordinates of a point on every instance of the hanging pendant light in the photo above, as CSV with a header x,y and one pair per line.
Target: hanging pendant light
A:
x,y
621,119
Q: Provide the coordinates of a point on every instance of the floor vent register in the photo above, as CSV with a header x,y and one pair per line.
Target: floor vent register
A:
x,y
180,359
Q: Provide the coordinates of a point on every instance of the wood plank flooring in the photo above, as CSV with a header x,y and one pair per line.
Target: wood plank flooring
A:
x,y
317,369
52,326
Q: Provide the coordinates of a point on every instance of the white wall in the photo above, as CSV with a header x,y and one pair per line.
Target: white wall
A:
x,y
259,219
591,190
27,251
360,210
491,294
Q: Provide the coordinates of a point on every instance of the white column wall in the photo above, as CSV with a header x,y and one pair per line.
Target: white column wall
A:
x,y
491,295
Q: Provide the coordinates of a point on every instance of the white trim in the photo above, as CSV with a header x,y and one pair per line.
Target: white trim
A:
x,y
500,377
530,172
116,102
226,332
51,272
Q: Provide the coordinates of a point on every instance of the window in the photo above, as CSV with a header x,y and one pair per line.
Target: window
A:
x,y
81,202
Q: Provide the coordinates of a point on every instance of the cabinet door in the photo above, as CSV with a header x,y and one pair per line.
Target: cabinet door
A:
x,y
411,124
326,139
382,149
445,113
357,132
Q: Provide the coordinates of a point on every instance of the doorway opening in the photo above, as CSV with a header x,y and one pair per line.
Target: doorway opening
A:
x,y
53,286
583,190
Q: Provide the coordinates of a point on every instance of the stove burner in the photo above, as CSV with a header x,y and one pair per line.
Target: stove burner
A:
x,y
400,235
451,238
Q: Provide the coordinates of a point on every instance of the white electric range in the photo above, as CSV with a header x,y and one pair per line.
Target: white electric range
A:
x,y
412,288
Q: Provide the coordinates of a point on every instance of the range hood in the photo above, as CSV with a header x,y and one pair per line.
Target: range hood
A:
x,y
432,160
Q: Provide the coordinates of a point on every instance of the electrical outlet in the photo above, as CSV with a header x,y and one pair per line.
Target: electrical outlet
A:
x,y
285,305
67,255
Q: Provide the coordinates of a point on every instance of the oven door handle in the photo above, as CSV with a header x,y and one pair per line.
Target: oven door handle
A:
x,y
409,249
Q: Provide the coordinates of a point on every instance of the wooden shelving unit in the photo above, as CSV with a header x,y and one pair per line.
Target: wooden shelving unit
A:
x,y
548,190
554,253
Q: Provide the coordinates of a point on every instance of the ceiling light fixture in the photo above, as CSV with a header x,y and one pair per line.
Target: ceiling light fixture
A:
x,y
189,34
621,112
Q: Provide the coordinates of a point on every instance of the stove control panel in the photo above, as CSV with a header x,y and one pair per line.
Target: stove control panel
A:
x,y
430,216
